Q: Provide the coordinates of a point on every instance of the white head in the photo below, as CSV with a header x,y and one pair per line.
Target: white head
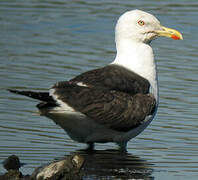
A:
x,y
134,31
140,26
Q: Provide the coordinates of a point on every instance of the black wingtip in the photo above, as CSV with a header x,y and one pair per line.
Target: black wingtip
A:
x,y
13,91
24,93
42,96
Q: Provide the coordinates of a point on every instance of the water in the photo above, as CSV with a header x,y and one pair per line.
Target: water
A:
x,y
42,42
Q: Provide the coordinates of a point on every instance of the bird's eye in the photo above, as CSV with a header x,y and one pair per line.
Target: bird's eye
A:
x,y
141,23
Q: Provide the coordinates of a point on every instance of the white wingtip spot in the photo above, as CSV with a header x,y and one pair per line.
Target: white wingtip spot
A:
x,y
81,84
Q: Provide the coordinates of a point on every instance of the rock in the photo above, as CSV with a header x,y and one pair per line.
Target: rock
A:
x,y
12,165
12,162
12,175
65,169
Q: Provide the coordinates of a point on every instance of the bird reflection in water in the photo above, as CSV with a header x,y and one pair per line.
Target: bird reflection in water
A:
x,y
113,164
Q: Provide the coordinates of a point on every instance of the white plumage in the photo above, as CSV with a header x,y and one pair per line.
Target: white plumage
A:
x,y
133,49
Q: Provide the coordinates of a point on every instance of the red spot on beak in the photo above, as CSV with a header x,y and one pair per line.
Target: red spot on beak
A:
x,y
175,37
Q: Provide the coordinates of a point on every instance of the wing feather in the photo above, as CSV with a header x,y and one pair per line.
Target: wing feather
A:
x,y
114,109
114,77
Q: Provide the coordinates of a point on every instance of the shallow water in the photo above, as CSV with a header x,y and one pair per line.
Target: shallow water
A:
x,y
42,42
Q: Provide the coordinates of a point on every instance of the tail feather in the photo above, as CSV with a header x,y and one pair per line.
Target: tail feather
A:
x,y
42,96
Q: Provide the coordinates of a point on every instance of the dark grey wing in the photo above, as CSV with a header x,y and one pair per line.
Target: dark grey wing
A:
x,y
114,109
114,77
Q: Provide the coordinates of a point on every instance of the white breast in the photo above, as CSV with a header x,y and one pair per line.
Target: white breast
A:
x,y
139,58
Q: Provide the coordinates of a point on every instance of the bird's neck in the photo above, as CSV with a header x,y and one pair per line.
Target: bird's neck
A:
x,y
138,57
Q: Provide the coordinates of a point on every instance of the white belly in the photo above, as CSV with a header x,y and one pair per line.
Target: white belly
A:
x,y
82,129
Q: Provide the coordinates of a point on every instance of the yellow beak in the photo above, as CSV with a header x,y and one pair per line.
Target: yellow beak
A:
x,y
171,33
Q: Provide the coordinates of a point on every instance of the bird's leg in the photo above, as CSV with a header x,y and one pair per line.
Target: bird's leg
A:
x,y
122,147
90,146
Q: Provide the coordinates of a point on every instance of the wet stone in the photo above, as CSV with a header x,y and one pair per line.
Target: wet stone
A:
x,y
64,169
67,168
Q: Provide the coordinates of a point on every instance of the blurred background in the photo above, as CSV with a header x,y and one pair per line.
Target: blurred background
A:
x,y
42,42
